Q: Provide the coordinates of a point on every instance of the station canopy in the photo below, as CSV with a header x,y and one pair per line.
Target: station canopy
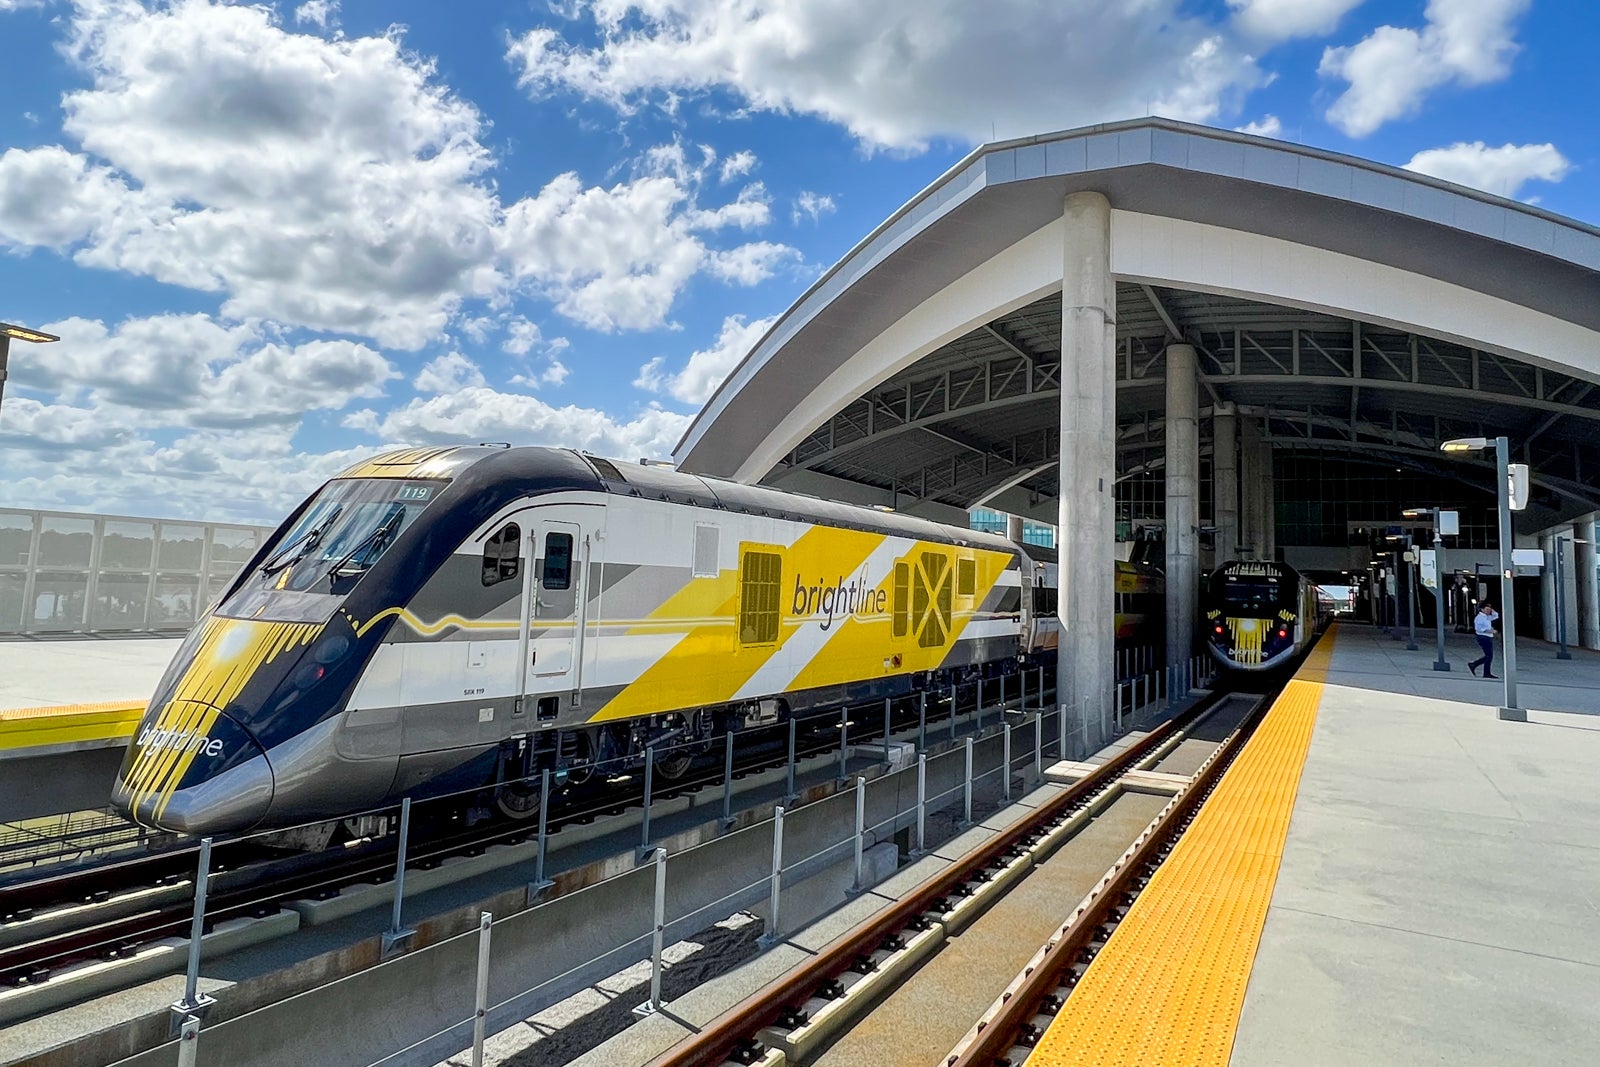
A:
x,y
1357,310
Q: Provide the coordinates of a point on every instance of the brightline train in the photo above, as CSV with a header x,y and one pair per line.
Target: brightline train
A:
x,y
457,619
1259,614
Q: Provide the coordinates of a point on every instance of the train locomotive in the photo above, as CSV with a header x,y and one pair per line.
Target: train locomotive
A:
x,y
1258,614
463,618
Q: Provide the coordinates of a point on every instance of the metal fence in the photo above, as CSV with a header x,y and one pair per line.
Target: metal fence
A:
x,y
66,572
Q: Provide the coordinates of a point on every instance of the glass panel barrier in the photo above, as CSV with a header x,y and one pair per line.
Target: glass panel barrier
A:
x,y
66,541
127,546
16,538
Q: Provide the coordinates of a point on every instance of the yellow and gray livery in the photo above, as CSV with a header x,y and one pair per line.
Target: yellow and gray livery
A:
x,y
438,620
1259,614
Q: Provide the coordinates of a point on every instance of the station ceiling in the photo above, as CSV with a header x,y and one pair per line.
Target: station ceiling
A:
x,y
979,416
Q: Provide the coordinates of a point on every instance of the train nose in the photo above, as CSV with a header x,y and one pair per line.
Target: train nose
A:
x,y
193,770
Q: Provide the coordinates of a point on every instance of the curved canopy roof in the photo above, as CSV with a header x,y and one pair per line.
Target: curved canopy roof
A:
x,y
1357,307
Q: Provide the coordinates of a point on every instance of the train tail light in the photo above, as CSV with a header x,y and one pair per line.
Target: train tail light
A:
x,y
1282,633
1219,629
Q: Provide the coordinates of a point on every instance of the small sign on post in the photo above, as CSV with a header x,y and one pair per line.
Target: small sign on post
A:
x,y
1430,568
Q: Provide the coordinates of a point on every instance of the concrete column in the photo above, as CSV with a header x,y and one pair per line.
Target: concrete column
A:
x,y
1225,481
1269,505
1587,599
1250,488
1183,500
1014,527
1086,533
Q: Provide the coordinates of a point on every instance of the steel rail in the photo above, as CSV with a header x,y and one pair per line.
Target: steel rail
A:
x,y
734,1029
1039,992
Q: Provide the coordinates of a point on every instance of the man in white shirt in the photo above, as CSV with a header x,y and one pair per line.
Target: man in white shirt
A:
x,y
1483,627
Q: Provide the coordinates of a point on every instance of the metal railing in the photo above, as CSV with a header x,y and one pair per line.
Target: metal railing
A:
x,y
1024,736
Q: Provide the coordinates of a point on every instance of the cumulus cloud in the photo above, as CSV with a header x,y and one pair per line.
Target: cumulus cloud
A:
x,y
318,12
813,206
485,414
1393,69
737,165
1266,126
189,370
617,258
335,184
1502,171
448,373
898,73
705,369
1277,20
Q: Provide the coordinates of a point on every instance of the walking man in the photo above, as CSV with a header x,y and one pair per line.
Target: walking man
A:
x,y
1483,626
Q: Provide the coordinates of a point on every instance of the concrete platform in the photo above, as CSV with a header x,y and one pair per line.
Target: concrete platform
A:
x,y
44,672
1439,894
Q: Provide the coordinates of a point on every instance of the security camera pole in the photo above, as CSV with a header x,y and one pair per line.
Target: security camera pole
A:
x,y
21,333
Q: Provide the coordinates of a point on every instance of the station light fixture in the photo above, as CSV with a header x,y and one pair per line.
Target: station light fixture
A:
x,y
1465,444
9,330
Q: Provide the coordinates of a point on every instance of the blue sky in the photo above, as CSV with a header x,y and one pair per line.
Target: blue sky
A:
x,y
276,238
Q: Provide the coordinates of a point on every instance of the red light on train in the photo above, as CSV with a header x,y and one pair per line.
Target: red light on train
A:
x,y
1219,629
1283,633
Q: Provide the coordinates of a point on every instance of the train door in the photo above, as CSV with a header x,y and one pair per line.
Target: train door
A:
x,y
555,621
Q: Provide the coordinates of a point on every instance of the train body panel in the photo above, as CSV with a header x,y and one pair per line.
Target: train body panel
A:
x,y
447,619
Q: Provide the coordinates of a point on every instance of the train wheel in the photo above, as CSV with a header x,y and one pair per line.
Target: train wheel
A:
x,y
674,766
518,800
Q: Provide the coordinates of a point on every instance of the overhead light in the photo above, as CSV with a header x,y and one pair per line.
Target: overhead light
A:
x,y
22,333
1416,513
1465,444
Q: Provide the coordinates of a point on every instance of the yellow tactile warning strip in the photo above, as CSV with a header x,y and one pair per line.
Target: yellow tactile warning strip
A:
x,y
1169,985
113,720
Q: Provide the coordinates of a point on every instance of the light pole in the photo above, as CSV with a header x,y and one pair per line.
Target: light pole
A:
x,y
1439,595
22,333
1508,612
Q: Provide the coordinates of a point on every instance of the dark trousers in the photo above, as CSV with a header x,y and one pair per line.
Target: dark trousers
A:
x,y
1486,643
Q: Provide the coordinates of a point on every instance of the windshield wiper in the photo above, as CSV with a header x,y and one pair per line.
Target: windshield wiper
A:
x,y
377,538
309,539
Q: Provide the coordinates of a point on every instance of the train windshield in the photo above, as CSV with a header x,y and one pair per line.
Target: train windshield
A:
x,y
345,530
1249,595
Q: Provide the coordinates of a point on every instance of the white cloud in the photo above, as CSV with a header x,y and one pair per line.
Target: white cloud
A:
x,y
1392,70
335,184
900,72
737,165
813,206
521,336
1277,20
707,368
255,475
484,414
447,373
52,197
617,258
1266,126
318,12
189,370
1502,171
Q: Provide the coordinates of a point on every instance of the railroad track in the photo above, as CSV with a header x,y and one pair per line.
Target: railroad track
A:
x,y
901,987
111,910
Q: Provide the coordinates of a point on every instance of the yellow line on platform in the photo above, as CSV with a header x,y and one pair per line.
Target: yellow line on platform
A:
x,y
1168,987
67,724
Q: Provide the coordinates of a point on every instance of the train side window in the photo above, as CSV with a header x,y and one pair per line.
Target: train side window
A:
x,y
966,577
557,561
760,581
502,555
902,599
